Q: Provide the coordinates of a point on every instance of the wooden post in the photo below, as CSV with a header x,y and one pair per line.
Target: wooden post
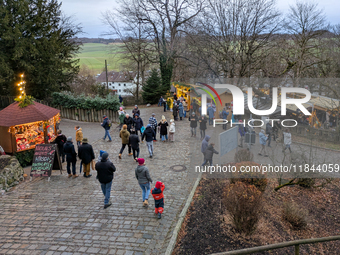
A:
x,y
297,248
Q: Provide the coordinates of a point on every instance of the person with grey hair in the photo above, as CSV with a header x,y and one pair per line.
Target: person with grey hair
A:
x,y
135,111
128,121
71,157
105,173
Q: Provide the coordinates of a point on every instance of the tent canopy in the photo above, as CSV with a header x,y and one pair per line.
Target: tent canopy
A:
x,y
13,115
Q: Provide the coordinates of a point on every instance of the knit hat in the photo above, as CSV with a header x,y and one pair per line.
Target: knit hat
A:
x,y
140,161
240,121
69,139
121,108
101,152
158,185
105,156
172,120
136,105
137,114
153,114
104,116
85,140
148,125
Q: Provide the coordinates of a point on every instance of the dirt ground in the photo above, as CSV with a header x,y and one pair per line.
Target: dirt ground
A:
x,y
207,228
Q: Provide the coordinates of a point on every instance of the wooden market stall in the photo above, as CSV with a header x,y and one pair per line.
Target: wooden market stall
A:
x,y
22,128
188,92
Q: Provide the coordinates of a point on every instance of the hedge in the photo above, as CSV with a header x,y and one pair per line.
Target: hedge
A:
x,y
68,100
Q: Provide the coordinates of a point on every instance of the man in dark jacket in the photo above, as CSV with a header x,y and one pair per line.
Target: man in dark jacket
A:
x,y
209,153
71,157
137,123
86,154
134,143
107,127
149,135
128,121
60,141
193,123
105,170
135,111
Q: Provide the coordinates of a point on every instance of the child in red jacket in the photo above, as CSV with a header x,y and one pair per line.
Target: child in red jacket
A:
x,y
157,194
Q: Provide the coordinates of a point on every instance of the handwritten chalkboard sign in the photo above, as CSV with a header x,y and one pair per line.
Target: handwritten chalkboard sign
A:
x,y
45,159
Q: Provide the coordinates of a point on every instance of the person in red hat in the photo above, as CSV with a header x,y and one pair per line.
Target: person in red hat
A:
x,y
158,196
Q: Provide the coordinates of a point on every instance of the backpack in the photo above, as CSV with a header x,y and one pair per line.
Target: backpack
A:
x,y
109,123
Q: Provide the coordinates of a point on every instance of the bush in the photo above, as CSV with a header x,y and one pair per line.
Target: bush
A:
x,y
25,158
259,180
68,100
243,155
296,216
306,182
244,204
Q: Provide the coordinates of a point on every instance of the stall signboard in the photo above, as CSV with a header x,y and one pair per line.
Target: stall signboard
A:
x,y
45,159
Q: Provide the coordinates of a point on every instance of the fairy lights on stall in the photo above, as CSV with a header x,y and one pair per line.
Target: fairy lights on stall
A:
x,y
22,85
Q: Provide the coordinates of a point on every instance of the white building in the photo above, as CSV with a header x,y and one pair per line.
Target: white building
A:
x,y
119,82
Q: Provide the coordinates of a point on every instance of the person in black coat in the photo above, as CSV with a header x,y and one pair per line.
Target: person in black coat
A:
x,y
203,126
105,173
128,121
175,110
71,157
134,143
137,123
60,141
86,154
193,123
209,153
163,124
149,135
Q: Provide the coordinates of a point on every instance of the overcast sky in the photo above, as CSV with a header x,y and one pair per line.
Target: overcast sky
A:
x,y
88,12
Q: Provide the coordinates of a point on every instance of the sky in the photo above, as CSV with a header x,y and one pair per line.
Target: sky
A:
x,y
88,13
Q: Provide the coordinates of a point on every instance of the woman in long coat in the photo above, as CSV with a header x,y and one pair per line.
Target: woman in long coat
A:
x,y
175,110
163,128
180,109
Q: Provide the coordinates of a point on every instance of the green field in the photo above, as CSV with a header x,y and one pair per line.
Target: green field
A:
x,y
93,55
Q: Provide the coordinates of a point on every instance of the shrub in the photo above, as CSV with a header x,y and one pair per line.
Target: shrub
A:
x,y
296,216
25,158
306,182
244,204
257,179
243,155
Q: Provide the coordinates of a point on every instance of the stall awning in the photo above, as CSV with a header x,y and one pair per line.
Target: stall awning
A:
x,y
13,115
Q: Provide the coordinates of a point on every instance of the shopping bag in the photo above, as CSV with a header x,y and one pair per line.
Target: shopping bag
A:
x,y
142,130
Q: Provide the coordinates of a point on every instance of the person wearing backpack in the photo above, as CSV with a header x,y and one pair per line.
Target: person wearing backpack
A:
x,y
106,125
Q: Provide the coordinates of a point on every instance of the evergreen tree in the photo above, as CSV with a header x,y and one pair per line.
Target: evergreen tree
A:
x,y
35,39
152,89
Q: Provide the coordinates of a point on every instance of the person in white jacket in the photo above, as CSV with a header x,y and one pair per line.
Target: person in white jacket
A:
x,y
172,131
287,139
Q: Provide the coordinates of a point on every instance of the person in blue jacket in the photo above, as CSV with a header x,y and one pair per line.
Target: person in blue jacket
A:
x,y
210,112
180,111
107,127
263,141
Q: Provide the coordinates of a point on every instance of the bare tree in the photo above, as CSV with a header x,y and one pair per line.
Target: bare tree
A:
x,y
236,35
132,34
305,24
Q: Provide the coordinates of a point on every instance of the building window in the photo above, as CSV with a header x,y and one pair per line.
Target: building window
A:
x,y
120,90
109,83
113,86
124,85
119,84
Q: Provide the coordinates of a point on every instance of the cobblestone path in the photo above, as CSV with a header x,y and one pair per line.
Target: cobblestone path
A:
x,y
66,216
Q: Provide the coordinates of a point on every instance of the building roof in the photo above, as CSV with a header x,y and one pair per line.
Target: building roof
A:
x,y
117,76
13,115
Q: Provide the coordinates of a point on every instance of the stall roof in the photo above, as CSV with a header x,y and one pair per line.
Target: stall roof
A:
x,y
13,115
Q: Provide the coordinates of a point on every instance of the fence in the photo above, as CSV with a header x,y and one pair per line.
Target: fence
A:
x,y
270,247
87,115
317,134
